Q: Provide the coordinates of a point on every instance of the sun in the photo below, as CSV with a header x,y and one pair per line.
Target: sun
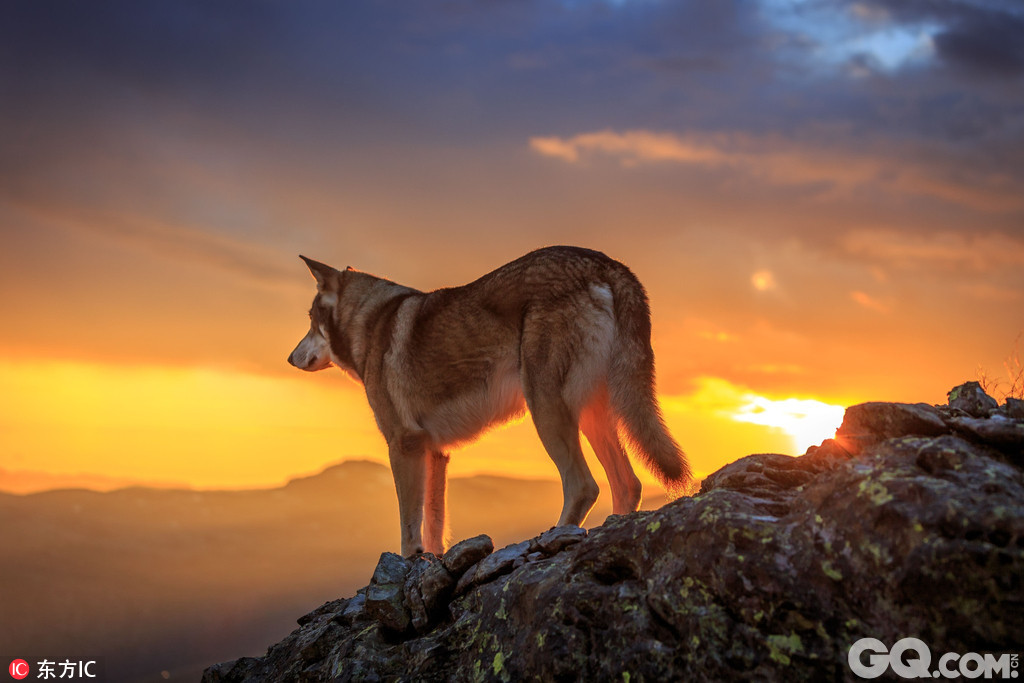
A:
x,y
763,280
806,421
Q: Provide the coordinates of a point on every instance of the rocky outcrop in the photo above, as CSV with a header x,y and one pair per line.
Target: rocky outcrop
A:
x,y
909,523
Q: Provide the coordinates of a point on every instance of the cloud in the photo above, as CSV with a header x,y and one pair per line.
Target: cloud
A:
x,y
830,35
778,160
869,302
191,244
631,147
978,37
944,251
991,46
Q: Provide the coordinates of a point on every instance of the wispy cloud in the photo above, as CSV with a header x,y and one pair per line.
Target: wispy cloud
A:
x,y
632,147
869,302
783,161
945,251
192,244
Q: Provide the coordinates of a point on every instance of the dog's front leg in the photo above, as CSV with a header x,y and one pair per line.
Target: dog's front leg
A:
x,y
408,466
435,523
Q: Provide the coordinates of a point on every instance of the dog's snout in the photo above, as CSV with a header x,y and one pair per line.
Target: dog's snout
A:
x,y
311,354
297,359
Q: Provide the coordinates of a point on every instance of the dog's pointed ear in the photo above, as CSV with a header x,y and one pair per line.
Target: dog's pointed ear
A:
x,y
324,274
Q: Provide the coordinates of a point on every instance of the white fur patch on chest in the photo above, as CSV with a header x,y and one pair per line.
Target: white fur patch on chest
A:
x,y
463,418
396,364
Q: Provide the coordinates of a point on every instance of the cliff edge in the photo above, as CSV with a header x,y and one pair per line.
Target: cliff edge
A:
x,y
910,523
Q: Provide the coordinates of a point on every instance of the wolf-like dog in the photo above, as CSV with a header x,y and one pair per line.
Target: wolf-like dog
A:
x,y
562,331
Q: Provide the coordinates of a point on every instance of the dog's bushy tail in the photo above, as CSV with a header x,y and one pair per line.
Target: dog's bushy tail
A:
x,y
631,388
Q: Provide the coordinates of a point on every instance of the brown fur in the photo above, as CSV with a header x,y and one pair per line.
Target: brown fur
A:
x,y
563,331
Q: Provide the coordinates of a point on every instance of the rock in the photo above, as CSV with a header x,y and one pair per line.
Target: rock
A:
x,y
328,608
413,594
1013,409
972,399
997,431
467,580
354,609
235,670
909,523
465,554
826,456
391,569
319,642
436,587
560,537
764,472
500,561
870,423
385,596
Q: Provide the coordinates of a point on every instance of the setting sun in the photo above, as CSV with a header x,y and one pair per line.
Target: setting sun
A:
x,y
807,421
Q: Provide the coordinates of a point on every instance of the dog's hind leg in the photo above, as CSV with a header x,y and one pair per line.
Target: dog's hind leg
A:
x,y
559,431
546,362
408,466
599,426
435,522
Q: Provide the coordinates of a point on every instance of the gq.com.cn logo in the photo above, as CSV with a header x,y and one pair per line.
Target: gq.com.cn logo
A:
x,y
911,658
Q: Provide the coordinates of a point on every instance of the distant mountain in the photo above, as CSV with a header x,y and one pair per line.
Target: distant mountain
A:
x,y
29,481
159,583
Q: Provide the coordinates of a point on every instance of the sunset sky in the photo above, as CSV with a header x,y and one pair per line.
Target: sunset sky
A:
x,y
824,198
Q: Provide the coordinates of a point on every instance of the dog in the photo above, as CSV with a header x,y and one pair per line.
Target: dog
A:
x,y
564,332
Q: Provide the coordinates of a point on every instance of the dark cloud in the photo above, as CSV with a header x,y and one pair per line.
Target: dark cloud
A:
x,y
190,109
982,38
986,44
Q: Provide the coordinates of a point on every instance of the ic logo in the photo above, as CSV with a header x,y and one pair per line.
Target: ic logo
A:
x,y
18,669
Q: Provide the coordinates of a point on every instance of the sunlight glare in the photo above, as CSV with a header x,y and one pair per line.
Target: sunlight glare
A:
x,y
763,280
808,422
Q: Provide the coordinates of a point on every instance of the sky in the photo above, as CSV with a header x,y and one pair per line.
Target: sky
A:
x,y
824,199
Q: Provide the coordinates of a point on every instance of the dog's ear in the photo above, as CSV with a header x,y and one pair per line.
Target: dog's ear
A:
x,y
325,276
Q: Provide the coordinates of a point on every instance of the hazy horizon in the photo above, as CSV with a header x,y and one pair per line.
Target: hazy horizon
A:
x,y
20,482
173,581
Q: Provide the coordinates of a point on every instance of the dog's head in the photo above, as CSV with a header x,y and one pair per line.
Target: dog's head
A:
x,y
314,351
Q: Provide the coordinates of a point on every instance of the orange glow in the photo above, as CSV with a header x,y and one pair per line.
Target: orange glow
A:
x,y
204,426
222,428
807,422
732,421
763,280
